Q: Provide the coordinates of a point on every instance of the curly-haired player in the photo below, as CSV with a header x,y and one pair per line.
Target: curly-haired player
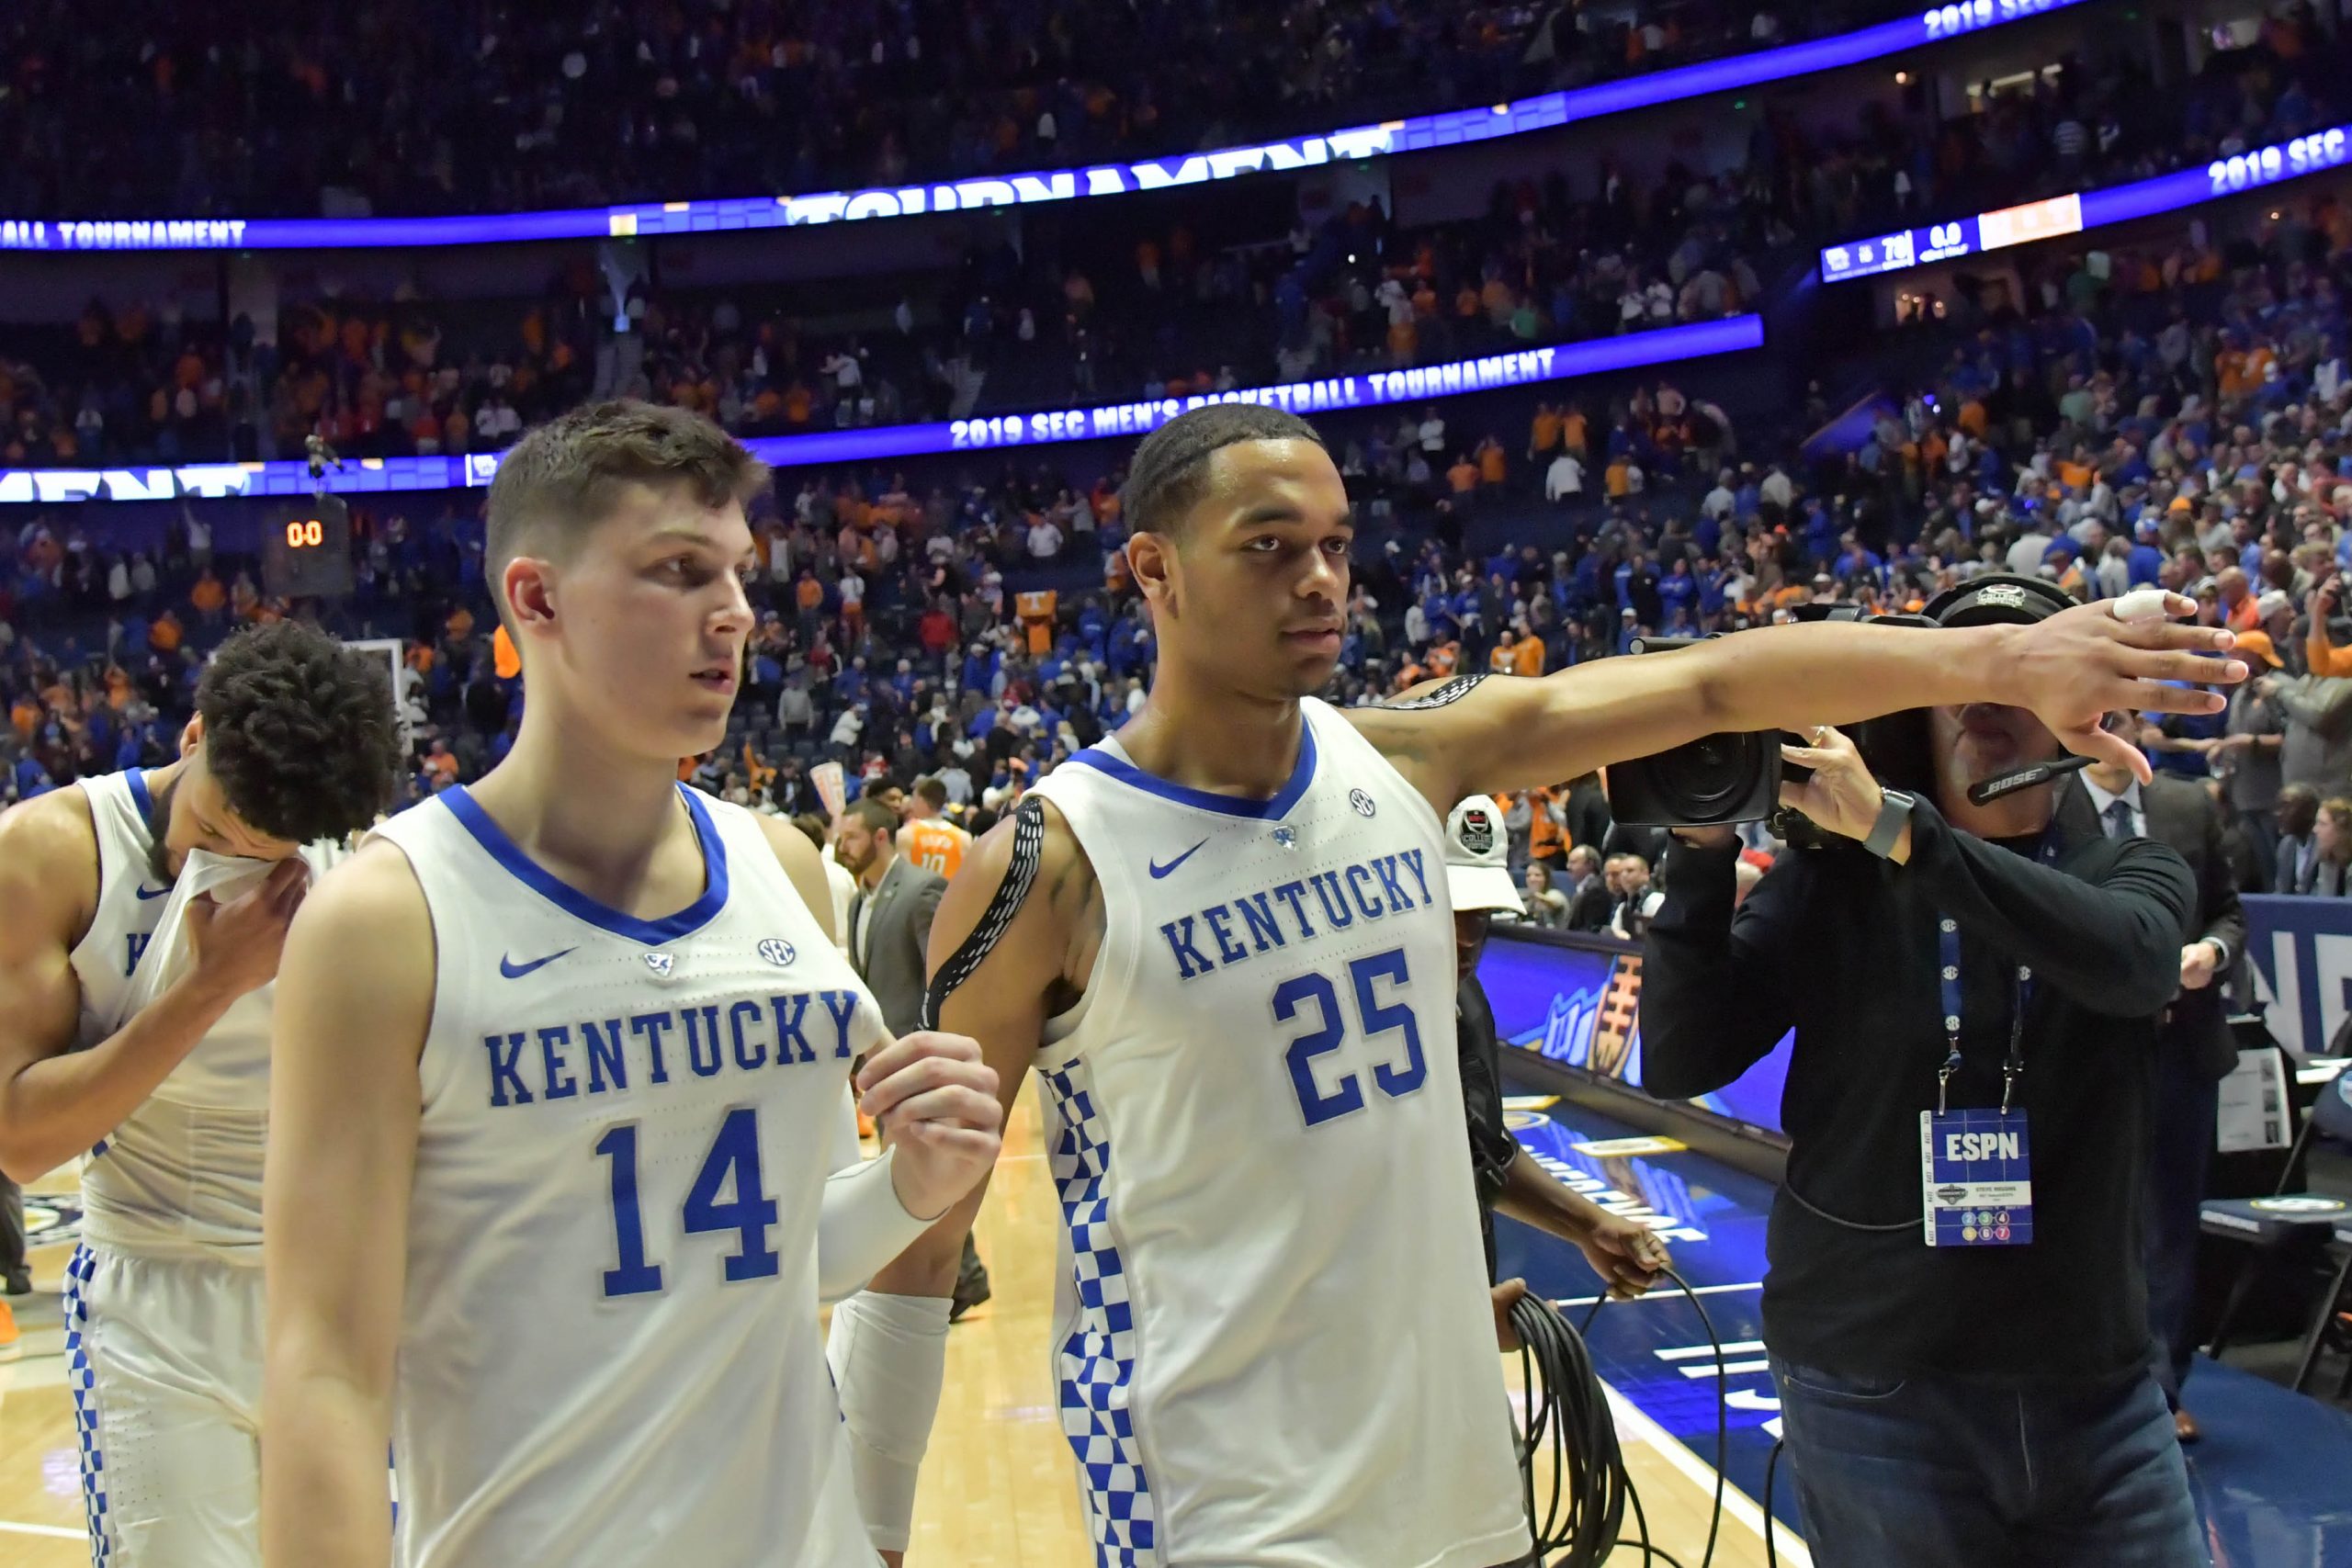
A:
x,y
134,1026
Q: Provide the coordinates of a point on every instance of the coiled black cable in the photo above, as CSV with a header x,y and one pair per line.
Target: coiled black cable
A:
x,y
1567,1413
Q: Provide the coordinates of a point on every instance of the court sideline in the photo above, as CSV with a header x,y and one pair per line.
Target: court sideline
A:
x,y
998,1491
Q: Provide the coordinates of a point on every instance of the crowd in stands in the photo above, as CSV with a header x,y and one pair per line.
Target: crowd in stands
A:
x,y
2091,120
1146,309
2177,412
1162,315
444,106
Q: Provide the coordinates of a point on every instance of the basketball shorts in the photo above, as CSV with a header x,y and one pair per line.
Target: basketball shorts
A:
x,y
164,1360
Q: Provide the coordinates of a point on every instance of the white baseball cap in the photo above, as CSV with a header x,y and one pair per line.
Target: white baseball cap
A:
x,y
1477,857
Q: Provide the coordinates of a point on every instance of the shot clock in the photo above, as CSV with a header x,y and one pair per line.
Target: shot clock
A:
x,y
306,549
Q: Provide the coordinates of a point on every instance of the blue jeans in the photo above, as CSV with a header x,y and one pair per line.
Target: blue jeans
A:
x,y
1933,1473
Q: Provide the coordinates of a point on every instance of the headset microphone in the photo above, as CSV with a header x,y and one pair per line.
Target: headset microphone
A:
x,y
1992,789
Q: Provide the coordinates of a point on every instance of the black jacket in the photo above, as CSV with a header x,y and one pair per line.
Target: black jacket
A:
x,y
2182,817
1842,947
1588,906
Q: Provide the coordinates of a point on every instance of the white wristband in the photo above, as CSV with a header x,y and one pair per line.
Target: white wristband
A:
x,y
888,1356
861,1225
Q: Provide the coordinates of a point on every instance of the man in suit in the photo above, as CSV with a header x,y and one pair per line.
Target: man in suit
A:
x,y
2194,1049
889,932
889,917
2297,814
1589,897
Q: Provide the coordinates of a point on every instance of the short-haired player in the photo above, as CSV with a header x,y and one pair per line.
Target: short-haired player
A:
x,y
1222,942
561,1058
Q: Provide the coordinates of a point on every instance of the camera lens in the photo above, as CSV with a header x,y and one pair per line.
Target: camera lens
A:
x,y
1709,774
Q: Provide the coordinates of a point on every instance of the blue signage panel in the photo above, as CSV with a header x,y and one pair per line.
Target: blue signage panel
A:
x,y
2302,954
1414,134
1581,1006
1109,421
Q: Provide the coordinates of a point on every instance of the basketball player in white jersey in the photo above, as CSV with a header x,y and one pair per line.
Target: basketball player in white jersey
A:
x,y
559,1062
1232,968
293,741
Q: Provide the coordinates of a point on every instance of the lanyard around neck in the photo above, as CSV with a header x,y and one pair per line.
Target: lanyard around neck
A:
x,y
1947,960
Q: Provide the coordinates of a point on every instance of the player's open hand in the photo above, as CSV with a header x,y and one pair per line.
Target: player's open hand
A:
x,y
235,945
2083,663
936,1103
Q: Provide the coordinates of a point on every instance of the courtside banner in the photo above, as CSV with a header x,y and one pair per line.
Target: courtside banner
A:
x,y
52,486
1419,133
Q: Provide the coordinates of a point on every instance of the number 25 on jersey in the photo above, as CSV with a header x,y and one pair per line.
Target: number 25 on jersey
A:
x,y
1293,999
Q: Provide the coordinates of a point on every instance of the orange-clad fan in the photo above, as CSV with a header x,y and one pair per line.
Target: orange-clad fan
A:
x,y
929,840
1036,612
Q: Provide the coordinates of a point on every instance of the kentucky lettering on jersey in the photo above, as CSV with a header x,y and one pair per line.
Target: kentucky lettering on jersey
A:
x,y
621,1161
1272,1339
558,1061
1278,916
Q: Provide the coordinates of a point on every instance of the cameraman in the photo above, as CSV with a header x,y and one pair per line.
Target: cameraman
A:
x,y
1986,1398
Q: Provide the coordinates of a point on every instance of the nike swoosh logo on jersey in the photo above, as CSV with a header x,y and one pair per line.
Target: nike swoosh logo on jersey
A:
x,y
1159,871
146,892
514,971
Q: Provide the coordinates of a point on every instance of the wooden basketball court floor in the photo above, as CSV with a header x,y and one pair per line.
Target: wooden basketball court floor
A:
x,y
998,1490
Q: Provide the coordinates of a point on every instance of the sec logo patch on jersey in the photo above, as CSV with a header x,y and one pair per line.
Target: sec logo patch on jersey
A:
x,y
1362,802
778,952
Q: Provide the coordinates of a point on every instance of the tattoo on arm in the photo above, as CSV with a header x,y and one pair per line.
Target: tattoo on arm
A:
x,y
1454,690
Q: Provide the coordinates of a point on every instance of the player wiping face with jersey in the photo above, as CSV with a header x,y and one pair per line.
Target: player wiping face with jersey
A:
x,y
560,1061
1223,941
160,972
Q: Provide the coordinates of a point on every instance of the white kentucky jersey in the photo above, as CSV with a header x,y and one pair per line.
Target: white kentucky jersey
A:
x,y
181,1174
609,1348
130,903
1273,1342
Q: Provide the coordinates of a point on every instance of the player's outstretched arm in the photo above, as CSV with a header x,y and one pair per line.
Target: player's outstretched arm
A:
x,y
55,1101
1507,734
354,998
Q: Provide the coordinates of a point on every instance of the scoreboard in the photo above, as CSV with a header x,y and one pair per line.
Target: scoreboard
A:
x,y
2078,211
306,549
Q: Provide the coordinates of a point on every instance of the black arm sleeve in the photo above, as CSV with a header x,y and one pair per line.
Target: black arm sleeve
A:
x,y
1715,983
2112,944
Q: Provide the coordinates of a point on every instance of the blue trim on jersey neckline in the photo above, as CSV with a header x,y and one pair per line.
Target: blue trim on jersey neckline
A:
x,y
1126,773
532,874
137,778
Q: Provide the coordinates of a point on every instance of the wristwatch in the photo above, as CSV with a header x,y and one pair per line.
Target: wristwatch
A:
x,y
1893,811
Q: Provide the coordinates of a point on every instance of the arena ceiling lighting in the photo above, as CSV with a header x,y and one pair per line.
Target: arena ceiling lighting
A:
x,y
2080,211
52,487
1419,133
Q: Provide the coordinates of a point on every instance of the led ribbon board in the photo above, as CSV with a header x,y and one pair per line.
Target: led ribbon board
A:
x,y
1333,394
1419,133
2071,214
